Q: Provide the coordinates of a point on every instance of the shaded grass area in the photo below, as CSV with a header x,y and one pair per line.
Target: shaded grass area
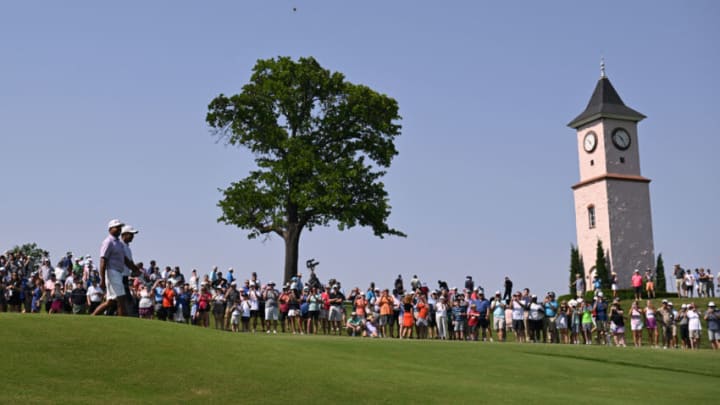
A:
x,y
75,359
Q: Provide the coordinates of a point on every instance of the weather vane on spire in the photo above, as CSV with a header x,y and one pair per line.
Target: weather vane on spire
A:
x,y
602,66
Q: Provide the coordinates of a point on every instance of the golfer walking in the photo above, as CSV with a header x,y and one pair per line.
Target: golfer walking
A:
x,y
112,265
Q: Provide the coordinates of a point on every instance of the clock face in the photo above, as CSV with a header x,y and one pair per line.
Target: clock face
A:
x,y
621,139
590,142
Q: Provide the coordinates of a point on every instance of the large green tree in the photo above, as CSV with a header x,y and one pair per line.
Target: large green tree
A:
x,y
321,145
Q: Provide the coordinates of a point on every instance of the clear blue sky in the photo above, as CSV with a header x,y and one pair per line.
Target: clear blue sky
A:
x,y
102,111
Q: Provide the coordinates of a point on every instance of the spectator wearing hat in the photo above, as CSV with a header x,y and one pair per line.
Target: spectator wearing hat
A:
x,y
713,324
551,307
271,295
497,307
218,308
684,334
232,299
370,329
535,319
314,302
127,235
562,323
283,306
422,311
694,326
586,321
483,308
649,284
335,313
636,282
600,308
518,317
354,325
385,302
666,320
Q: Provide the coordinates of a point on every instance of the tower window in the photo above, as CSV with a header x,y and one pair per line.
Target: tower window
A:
x,y
591,216
622,159
592,163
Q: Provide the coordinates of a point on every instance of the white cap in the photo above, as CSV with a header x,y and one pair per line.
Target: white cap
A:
x,y
711,304
600,293
114,222
497,292
129,229
637,271
231,269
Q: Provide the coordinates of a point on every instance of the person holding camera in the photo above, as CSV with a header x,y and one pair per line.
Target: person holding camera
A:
x,y
551,307
497,307
271,295
617,324
713,324
518,316
335,314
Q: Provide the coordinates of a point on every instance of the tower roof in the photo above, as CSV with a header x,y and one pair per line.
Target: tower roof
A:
x,y
605,103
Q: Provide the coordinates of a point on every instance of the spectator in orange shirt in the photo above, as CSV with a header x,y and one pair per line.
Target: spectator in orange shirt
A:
x,y
168,302
421,323
386,312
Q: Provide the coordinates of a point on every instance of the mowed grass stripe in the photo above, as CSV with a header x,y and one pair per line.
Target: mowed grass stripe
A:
x,y
76,359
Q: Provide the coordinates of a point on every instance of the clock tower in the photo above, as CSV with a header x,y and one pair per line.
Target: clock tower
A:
x,y
612,199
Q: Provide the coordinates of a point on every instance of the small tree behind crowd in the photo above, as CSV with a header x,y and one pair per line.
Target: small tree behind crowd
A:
x,y
660,285
601,269
32,251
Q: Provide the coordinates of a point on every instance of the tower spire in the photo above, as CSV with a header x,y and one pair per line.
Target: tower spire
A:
x,y
602,67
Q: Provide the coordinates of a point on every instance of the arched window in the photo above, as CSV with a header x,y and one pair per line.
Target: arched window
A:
x,y
591,216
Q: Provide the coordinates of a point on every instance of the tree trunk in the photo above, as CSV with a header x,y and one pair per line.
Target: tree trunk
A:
x,y
292,243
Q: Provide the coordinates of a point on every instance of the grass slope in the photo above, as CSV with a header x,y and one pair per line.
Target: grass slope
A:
x,y
79,359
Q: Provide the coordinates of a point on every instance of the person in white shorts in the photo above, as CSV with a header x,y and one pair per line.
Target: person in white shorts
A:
x,y
112,265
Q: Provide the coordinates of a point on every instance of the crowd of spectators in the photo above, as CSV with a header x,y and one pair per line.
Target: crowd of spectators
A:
x,y
72,286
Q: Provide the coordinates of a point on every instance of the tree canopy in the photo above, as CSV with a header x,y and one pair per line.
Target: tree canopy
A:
x,y
321,145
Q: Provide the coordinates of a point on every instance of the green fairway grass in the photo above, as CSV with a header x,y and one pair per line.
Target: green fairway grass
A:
x,y
82,359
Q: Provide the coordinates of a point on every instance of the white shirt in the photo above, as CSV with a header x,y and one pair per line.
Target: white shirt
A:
x,y
440,309
693,320
95,293
517,311
128,255
69,282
